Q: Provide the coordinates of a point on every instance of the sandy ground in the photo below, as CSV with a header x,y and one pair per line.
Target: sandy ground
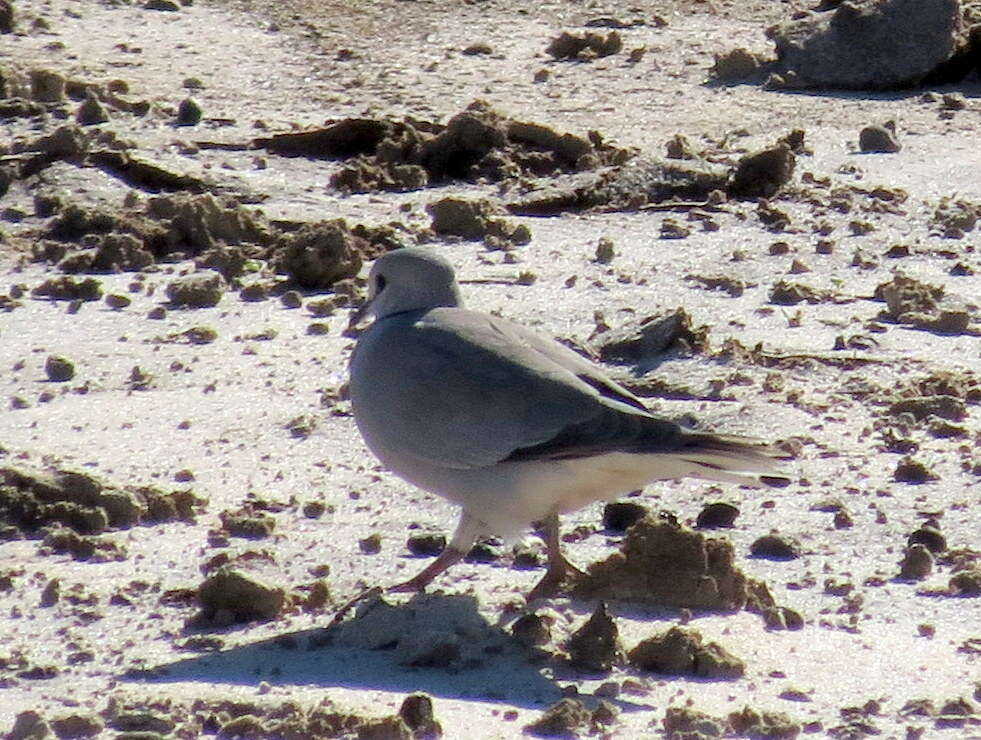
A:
x,y
255,424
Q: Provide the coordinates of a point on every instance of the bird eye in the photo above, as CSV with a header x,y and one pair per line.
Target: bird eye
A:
x,y
380,283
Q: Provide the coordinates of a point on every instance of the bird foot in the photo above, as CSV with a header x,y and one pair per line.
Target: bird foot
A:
x,y
555,580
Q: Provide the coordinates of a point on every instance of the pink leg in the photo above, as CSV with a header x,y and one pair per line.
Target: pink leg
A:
x,y
558,567
465,535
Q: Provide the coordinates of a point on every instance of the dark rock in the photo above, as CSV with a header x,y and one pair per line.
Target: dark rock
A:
x,y
59,369
878,139
775,547
188,110
619,515
716,515
91,112
426,544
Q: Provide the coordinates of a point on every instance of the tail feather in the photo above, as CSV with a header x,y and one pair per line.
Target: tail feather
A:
x,y
732,459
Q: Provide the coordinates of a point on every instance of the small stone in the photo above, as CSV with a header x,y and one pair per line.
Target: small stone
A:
x,y
619,515
716,515
604,251
426,544
314,509
370,545
480,48
878,140
167,6
117,301
254,293
775,547
318,329
188,111
59,369
291,299
157,313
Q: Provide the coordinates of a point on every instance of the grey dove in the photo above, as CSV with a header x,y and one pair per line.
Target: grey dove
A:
x,y
508,424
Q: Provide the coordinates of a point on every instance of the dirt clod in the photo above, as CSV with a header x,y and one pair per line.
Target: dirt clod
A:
x,y
59,369
319,255
585,46
200,290
663,563
595,646
417,712
679,652
652,336
230,595
566,718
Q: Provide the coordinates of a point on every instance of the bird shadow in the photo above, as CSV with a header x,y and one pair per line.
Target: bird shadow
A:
x,y
437,644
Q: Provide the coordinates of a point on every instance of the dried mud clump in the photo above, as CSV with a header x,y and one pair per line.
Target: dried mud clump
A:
x,y
569,718
475,144
69,289
475,220
738,65
654,335
664,563
761,174
760,601
200,290
31,501
231,596
867,44
179,225
749,722
319,255
877,139
679,652
585,46
595,646
909,301
417,713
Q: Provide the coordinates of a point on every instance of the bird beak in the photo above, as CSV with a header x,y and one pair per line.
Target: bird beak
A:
x,y
358,315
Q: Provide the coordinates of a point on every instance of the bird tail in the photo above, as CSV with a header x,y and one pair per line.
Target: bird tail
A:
x,y
733,459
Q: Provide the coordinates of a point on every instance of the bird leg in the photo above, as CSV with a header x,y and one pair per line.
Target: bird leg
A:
x,y
464,537
558,567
